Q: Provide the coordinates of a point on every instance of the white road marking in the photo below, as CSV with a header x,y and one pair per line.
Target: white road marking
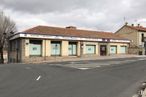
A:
x,y
27,67
83,68
38,78
141,59
98,66
72,62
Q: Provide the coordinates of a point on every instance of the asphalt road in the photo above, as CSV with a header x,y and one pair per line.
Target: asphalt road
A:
x,y
28,80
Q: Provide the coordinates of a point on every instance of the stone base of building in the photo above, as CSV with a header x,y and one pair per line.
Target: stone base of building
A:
x,y
71,58
136,50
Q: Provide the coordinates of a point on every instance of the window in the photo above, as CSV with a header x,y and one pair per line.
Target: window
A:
x,y
90,49
123,49
72,48
142,37
35,48
55,48
113,49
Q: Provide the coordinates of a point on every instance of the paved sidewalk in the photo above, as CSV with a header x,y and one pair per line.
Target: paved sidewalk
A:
x,y
114,57
62,59
89,63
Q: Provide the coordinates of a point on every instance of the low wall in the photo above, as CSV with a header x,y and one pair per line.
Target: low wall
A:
x,y
135,50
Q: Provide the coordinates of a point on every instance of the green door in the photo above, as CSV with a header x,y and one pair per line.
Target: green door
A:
x,y
113,49
55,48
35,48
72,49
90,49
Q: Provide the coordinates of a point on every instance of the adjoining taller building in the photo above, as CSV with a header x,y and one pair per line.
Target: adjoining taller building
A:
x,y
137,35
44,43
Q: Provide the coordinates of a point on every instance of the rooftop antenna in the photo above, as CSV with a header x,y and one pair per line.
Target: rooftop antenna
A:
x,y
125,22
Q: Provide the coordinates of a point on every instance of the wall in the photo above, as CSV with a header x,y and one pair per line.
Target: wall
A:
x,y
140,38
64,48
118,46
24,49
46,47
136,46
135,50
90,43
14,51
46,50
78,48
130,34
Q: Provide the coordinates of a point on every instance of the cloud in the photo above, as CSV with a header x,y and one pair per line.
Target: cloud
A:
x,y
107,15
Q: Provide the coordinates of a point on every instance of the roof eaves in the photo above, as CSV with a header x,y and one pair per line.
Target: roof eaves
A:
x,y
114,38
142,30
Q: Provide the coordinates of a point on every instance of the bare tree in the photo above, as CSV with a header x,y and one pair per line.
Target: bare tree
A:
x,y
7,28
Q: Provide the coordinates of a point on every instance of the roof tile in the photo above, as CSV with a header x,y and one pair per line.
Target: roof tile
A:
x,y
72,32
139,28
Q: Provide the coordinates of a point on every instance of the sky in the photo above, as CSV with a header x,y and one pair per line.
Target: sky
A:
x,y
101,15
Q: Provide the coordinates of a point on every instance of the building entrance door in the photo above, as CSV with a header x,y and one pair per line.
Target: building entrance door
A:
x,y
103,50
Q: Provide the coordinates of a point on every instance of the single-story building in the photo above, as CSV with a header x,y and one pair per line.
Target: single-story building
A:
x,y
42,43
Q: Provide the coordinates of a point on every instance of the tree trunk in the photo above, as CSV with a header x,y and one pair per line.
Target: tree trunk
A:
x,y
1,56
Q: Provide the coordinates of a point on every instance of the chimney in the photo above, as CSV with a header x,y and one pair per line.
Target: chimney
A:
x,y
132,25
71,27
126,23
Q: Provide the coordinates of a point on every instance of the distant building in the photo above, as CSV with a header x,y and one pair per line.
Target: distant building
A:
x,y
43,43
136,34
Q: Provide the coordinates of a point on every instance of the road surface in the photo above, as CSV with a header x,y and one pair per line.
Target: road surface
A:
x,y
32,80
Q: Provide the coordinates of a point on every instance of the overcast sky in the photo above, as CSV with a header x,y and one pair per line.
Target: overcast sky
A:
x,y
106,15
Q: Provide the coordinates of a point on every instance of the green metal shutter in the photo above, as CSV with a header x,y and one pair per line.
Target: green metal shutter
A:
x,y
35,48
113,49
90,49
55,48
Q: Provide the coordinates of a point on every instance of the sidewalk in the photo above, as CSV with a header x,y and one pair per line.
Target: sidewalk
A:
x,y
72,58
92,62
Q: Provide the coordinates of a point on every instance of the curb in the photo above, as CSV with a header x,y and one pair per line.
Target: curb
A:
x,y
141,91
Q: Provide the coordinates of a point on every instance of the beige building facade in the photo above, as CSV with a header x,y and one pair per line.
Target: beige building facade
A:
x,y
134,33
35,45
